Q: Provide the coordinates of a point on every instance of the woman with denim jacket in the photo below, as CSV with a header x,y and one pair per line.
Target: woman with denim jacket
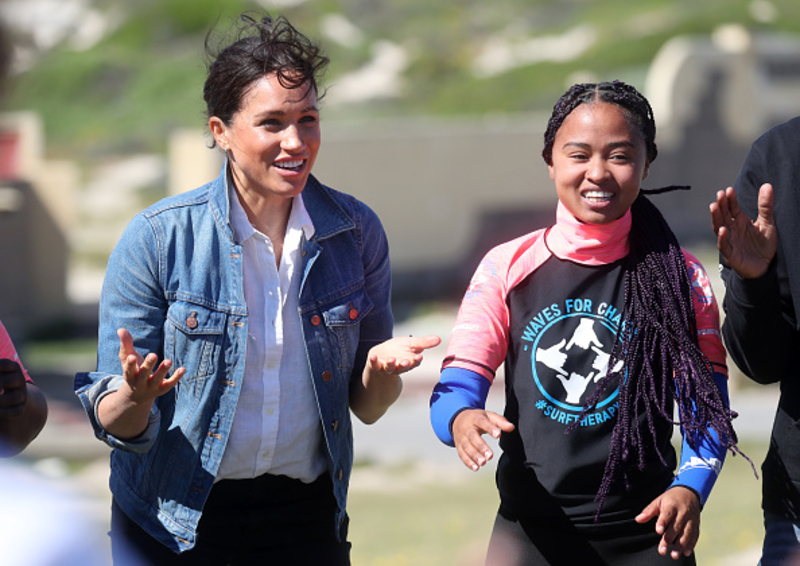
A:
x,y
266,296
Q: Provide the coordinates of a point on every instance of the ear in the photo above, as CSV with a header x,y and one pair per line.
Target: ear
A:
x,y
220,132
552,172
646,170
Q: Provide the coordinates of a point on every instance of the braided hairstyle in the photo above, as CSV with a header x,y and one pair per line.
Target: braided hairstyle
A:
x,y
657,343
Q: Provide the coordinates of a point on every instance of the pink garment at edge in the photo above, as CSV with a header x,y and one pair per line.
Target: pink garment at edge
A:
x,y
8,351
479,340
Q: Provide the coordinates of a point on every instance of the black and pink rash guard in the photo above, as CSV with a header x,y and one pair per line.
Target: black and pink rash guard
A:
x,y
549,305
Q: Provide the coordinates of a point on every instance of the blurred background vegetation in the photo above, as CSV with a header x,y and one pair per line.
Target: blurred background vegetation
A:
x,y
143,78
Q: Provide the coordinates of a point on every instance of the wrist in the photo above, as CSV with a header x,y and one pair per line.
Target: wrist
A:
x,y
691,490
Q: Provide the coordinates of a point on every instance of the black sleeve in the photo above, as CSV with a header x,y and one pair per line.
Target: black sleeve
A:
x,y
758,333
758,337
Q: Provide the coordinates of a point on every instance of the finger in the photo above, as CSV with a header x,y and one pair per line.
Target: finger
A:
x,y
766,204
731,204
468,428
11,376
648,513
126,346
161,373
724,243
666,520
408,363
499,424
467,459
169,382
474,452
389,365
130,368
716,217
469,455
666,527
147,367
9,366
425,342
685,541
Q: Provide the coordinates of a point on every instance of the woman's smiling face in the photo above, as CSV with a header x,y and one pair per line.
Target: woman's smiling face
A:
x,y
273,139
599,161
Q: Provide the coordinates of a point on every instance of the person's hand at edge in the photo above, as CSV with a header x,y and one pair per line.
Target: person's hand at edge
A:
x,y
747,246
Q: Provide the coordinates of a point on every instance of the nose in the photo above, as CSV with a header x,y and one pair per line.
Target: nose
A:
x,y
596,170
292,140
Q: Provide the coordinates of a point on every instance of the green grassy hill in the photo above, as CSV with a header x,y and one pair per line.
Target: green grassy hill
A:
x,y
132,88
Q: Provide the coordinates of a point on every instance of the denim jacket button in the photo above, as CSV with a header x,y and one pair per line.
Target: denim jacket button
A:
x,y
326,375
341,474
353,314
335,425
191,322
315,320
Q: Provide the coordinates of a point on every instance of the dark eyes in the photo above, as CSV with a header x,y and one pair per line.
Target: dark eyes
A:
x,y
617,157
276,123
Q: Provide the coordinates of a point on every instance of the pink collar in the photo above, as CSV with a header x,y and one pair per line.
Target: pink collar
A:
x,y
589,244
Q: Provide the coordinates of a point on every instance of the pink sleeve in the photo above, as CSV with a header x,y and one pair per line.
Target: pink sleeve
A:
x,y
707,313
8,351
479,340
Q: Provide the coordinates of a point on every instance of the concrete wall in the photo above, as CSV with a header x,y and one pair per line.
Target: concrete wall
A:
x,y
447,191
37,212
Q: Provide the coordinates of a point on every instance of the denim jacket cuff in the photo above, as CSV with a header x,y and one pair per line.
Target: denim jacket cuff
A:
x,y
91,389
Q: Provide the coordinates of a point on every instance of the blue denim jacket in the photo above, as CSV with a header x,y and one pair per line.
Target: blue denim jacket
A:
x,y
174,281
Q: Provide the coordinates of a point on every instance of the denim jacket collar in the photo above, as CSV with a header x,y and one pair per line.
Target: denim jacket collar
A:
x,y
328,217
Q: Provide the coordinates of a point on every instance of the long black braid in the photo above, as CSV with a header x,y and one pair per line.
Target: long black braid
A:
x,y
658,345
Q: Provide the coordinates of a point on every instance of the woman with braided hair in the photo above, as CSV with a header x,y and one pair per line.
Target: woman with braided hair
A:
x,y
605,325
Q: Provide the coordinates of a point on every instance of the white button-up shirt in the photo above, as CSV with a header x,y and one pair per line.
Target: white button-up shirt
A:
x,y
276,428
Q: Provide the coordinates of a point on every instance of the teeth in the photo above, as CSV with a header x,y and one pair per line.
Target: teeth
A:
x,y
600,195
289,164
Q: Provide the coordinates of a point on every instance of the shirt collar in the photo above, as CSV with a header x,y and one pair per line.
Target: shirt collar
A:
x,y
242,229
590,244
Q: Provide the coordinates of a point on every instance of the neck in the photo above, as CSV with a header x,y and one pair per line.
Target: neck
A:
x,y
590,244
268,216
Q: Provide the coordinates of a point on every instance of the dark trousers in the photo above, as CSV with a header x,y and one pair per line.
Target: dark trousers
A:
x,y
266,520
523,542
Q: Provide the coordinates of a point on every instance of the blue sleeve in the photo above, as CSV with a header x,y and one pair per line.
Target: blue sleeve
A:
x,y
376,326
458,389
700,466
131,298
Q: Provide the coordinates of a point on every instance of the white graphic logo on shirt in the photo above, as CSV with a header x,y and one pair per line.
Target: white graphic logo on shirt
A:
x,y
570,348
702,463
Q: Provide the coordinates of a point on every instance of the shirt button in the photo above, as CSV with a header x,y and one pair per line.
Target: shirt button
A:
x,y
191,322
326,375
315,320
270,411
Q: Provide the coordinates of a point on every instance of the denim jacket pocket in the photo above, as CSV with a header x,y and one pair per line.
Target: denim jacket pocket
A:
x,y
193,340
344,317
